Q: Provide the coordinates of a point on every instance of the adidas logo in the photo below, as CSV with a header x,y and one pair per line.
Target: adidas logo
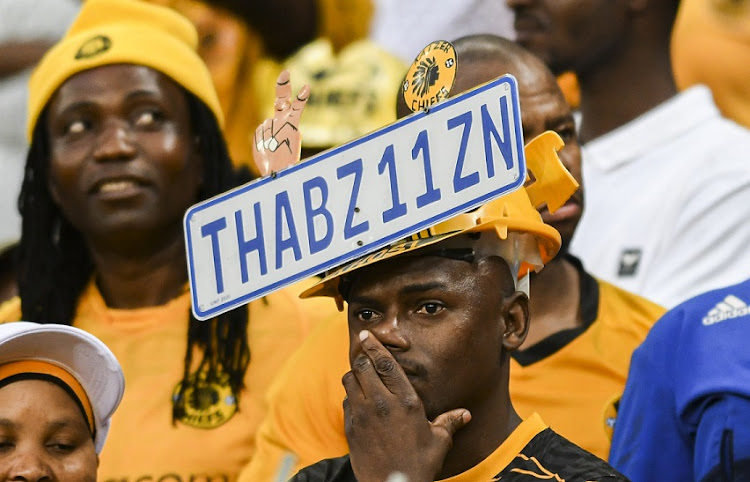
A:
x,y
731,307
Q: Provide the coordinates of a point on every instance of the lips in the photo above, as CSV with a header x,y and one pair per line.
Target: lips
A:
x,y
569,210
118,186
527,26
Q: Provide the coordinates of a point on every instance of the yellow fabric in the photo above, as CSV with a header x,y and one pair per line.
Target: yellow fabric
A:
x,y
123,31
45,368
488,468
711,45
573,387
352,92
143,444
568,83
344,21
570,389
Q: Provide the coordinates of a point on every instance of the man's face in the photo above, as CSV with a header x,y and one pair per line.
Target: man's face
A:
x,y
569,34
442,320
543,108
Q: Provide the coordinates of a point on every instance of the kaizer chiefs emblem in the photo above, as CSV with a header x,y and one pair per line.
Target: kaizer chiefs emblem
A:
x,y
94,46
430,78
425,77
208,403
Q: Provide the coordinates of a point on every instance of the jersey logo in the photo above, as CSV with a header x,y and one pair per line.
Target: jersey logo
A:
x,y
731,307
93,46
208,403
629,261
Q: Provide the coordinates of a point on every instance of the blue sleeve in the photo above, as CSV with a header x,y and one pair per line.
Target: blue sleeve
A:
x,y
647,441
722,440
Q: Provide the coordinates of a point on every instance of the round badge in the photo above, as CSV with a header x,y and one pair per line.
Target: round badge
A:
x,y
208,403
430,78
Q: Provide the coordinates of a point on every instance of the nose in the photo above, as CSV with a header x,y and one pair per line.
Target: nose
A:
x,y
113,142
391,333
30,465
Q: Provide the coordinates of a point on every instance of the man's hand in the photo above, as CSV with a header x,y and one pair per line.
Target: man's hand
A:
x,y
278,141
385,421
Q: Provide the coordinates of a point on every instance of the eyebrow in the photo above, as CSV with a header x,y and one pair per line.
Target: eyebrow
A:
x,y
419,288
4,422
81,104
564,119
141,93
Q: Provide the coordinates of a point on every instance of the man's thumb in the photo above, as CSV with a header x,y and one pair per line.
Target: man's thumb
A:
x,y
452,421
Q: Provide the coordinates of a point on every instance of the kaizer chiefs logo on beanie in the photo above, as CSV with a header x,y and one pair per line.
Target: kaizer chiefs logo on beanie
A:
x,y
93,46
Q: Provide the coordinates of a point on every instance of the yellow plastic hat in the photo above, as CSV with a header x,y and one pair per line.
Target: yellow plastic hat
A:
x,y
527,242
123,32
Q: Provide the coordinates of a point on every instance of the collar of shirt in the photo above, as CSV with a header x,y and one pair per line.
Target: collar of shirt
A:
x,y
669,120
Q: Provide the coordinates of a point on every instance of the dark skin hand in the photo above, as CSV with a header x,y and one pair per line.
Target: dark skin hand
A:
x,y
385,420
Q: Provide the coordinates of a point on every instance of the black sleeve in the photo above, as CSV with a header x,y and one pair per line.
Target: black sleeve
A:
x,y
329,470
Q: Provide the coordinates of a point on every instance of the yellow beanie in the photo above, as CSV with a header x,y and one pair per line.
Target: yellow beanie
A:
x,y
124,32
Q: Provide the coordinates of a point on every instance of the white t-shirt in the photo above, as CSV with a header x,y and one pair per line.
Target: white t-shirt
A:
x,y
667,201
405,27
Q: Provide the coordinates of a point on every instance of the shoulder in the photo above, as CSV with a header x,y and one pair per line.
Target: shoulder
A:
x,y
549,452
709,309
622,307
329,470
10,310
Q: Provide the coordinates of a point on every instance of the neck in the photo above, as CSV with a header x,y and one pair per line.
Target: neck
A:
x,y
632,82
132,278
555,300
493,419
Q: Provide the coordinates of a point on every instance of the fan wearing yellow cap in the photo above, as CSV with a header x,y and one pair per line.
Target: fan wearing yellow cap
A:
x,y
125,135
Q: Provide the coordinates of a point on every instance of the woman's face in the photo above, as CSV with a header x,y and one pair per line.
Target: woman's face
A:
x,y
43,435
123,158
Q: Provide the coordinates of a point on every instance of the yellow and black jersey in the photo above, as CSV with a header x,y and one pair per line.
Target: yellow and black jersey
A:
x,y
532,452
575,377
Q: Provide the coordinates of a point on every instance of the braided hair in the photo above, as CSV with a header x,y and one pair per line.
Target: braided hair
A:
x,y
55,266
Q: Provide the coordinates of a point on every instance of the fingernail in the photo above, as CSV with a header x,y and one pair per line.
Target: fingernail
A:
x,y
466,416
363,335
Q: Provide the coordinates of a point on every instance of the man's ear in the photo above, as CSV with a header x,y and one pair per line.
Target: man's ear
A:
x,y
516,315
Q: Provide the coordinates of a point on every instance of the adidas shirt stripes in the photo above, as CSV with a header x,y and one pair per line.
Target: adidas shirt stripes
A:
x,y
685,413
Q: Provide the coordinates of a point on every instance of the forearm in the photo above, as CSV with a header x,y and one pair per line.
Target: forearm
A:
x,y
18,56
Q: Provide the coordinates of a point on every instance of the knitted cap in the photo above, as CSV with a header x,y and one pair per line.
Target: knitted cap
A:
x,y
110,32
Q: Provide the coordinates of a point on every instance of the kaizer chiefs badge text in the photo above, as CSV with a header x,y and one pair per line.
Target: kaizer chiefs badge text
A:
x,y
430,78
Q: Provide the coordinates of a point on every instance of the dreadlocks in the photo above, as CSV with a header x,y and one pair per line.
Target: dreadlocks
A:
x,y
55,265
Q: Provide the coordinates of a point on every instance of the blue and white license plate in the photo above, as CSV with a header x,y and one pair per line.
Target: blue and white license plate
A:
x,y
355,198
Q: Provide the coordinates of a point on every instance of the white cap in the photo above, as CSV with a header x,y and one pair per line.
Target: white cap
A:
x,y
77,352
